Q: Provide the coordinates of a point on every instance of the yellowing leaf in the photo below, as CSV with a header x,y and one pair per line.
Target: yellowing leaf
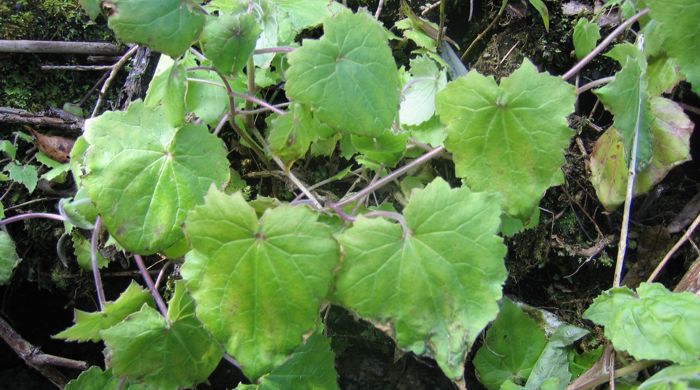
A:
x,y
435,288
671,129
258,283
144,174
509,138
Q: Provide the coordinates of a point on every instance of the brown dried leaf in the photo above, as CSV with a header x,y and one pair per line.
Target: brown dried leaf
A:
x,y
56,147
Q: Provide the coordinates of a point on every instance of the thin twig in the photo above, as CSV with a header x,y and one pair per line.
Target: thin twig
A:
x,y
388,178
486,30
77,68
441,24
602,45
673,250
112,75
96,231
151,287
379,9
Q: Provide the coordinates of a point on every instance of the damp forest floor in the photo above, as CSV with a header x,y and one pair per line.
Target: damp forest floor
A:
x,y
560,265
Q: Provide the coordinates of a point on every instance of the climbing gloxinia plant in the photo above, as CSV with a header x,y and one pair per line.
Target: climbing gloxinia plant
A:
x,y
257,272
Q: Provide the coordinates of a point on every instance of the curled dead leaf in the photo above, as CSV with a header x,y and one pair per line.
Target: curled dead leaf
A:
x,y
56,147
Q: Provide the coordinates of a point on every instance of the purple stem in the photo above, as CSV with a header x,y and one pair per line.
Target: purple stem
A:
x,y
93,263
391,215
281,49
602,45
22,217
151,287
259,102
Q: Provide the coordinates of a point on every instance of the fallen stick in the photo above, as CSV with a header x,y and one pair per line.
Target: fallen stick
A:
x,y
50,118
77,68
60,47
39,361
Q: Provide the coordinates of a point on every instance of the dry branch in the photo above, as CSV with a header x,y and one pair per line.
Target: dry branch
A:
x,y
33,356
51,118
60,47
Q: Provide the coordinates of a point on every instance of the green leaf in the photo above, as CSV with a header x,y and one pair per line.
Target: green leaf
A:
x,y
543,11
586,35
258,283
553,363
674,378
80,210
169,88
679,22
508,138
312,366
671,130
662,75
56,168
580,363
163,354
25,175
348,77
8,257
436,288
88,325
627,99
306,13
652,323
144,175
386,148
292,133
419,92
228,41
96,379
512,346
167,26
92,7
8,148
413,32
210,102
81,247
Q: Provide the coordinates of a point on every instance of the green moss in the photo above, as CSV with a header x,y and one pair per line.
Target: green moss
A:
x,y
24,84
